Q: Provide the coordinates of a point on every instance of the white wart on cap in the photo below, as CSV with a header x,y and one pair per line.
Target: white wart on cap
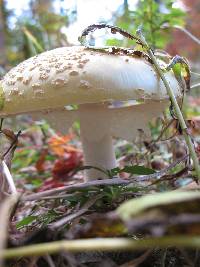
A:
x,y
76,75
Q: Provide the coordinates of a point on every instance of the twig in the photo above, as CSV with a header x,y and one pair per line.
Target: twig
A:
x,y
5,212
153,142
49,260
13,145
175,105
195,73
194,38
164,171
104,182
188,260
196,258
33,262
73,216
59,196
113,29
195,85
136,262
102,244
163,258
9,178
162,132
80,186
171,176
5,163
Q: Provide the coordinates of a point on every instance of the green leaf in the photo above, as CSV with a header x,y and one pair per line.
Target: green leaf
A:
x,y
177,70
26,221
181,68
136,169
48,217
114,171
33,41
86,167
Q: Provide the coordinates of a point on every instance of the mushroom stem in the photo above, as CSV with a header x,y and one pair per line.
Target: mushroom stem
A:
x,y
96,139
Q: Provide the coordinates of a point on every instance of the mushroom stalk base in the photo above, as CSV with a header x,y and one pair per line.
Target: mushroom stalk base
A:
x,y
96,140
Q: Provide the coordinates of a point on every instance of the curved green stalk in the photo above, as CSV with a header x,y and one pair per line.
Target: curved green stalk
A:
x,y
101,244
175,105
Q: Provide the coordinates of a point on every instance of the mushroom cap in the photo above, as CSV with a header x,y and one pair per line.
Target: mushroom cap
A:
x,y
77,75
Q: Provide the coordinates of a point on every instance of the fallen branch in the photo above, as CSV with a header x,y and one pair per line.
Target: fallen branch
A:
x,y
104,182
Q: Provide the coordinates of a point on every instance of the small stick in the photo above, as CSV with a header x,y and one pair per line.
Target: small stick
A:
x,y
195,85
9,178
49,260
75,215
136,262
177,110
194,38
5,213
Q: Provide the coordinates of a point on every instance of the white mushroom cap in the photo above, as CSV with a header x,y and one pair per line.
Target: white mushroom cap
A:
x,y
91,79
76,75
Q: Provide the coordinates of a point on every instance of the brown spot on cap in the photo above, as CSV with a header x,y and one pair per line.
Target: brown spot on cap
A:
x,y
59,82
73,73
43,76
84,61
85,84
38,93
80,66
19,78
63,68
32,67
74,57
36,85
53,59
14,91
26,81
140,92
21,93
57,65
10,82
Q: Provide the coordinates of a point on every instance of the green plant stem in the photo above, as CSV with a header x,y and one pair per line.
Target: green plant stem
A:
x,y
101,244
175,105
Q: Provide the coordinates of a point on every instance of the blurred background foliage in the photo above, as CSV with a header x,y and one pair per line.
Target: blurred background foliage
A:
x,y
44,24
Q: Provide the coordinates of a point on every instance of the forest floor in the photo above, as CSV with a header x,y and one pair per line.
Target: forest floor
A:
x,y
56,203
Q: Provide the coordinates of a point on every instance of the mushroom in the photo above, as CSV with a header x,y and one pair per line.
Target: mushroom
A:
x,y
45,84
